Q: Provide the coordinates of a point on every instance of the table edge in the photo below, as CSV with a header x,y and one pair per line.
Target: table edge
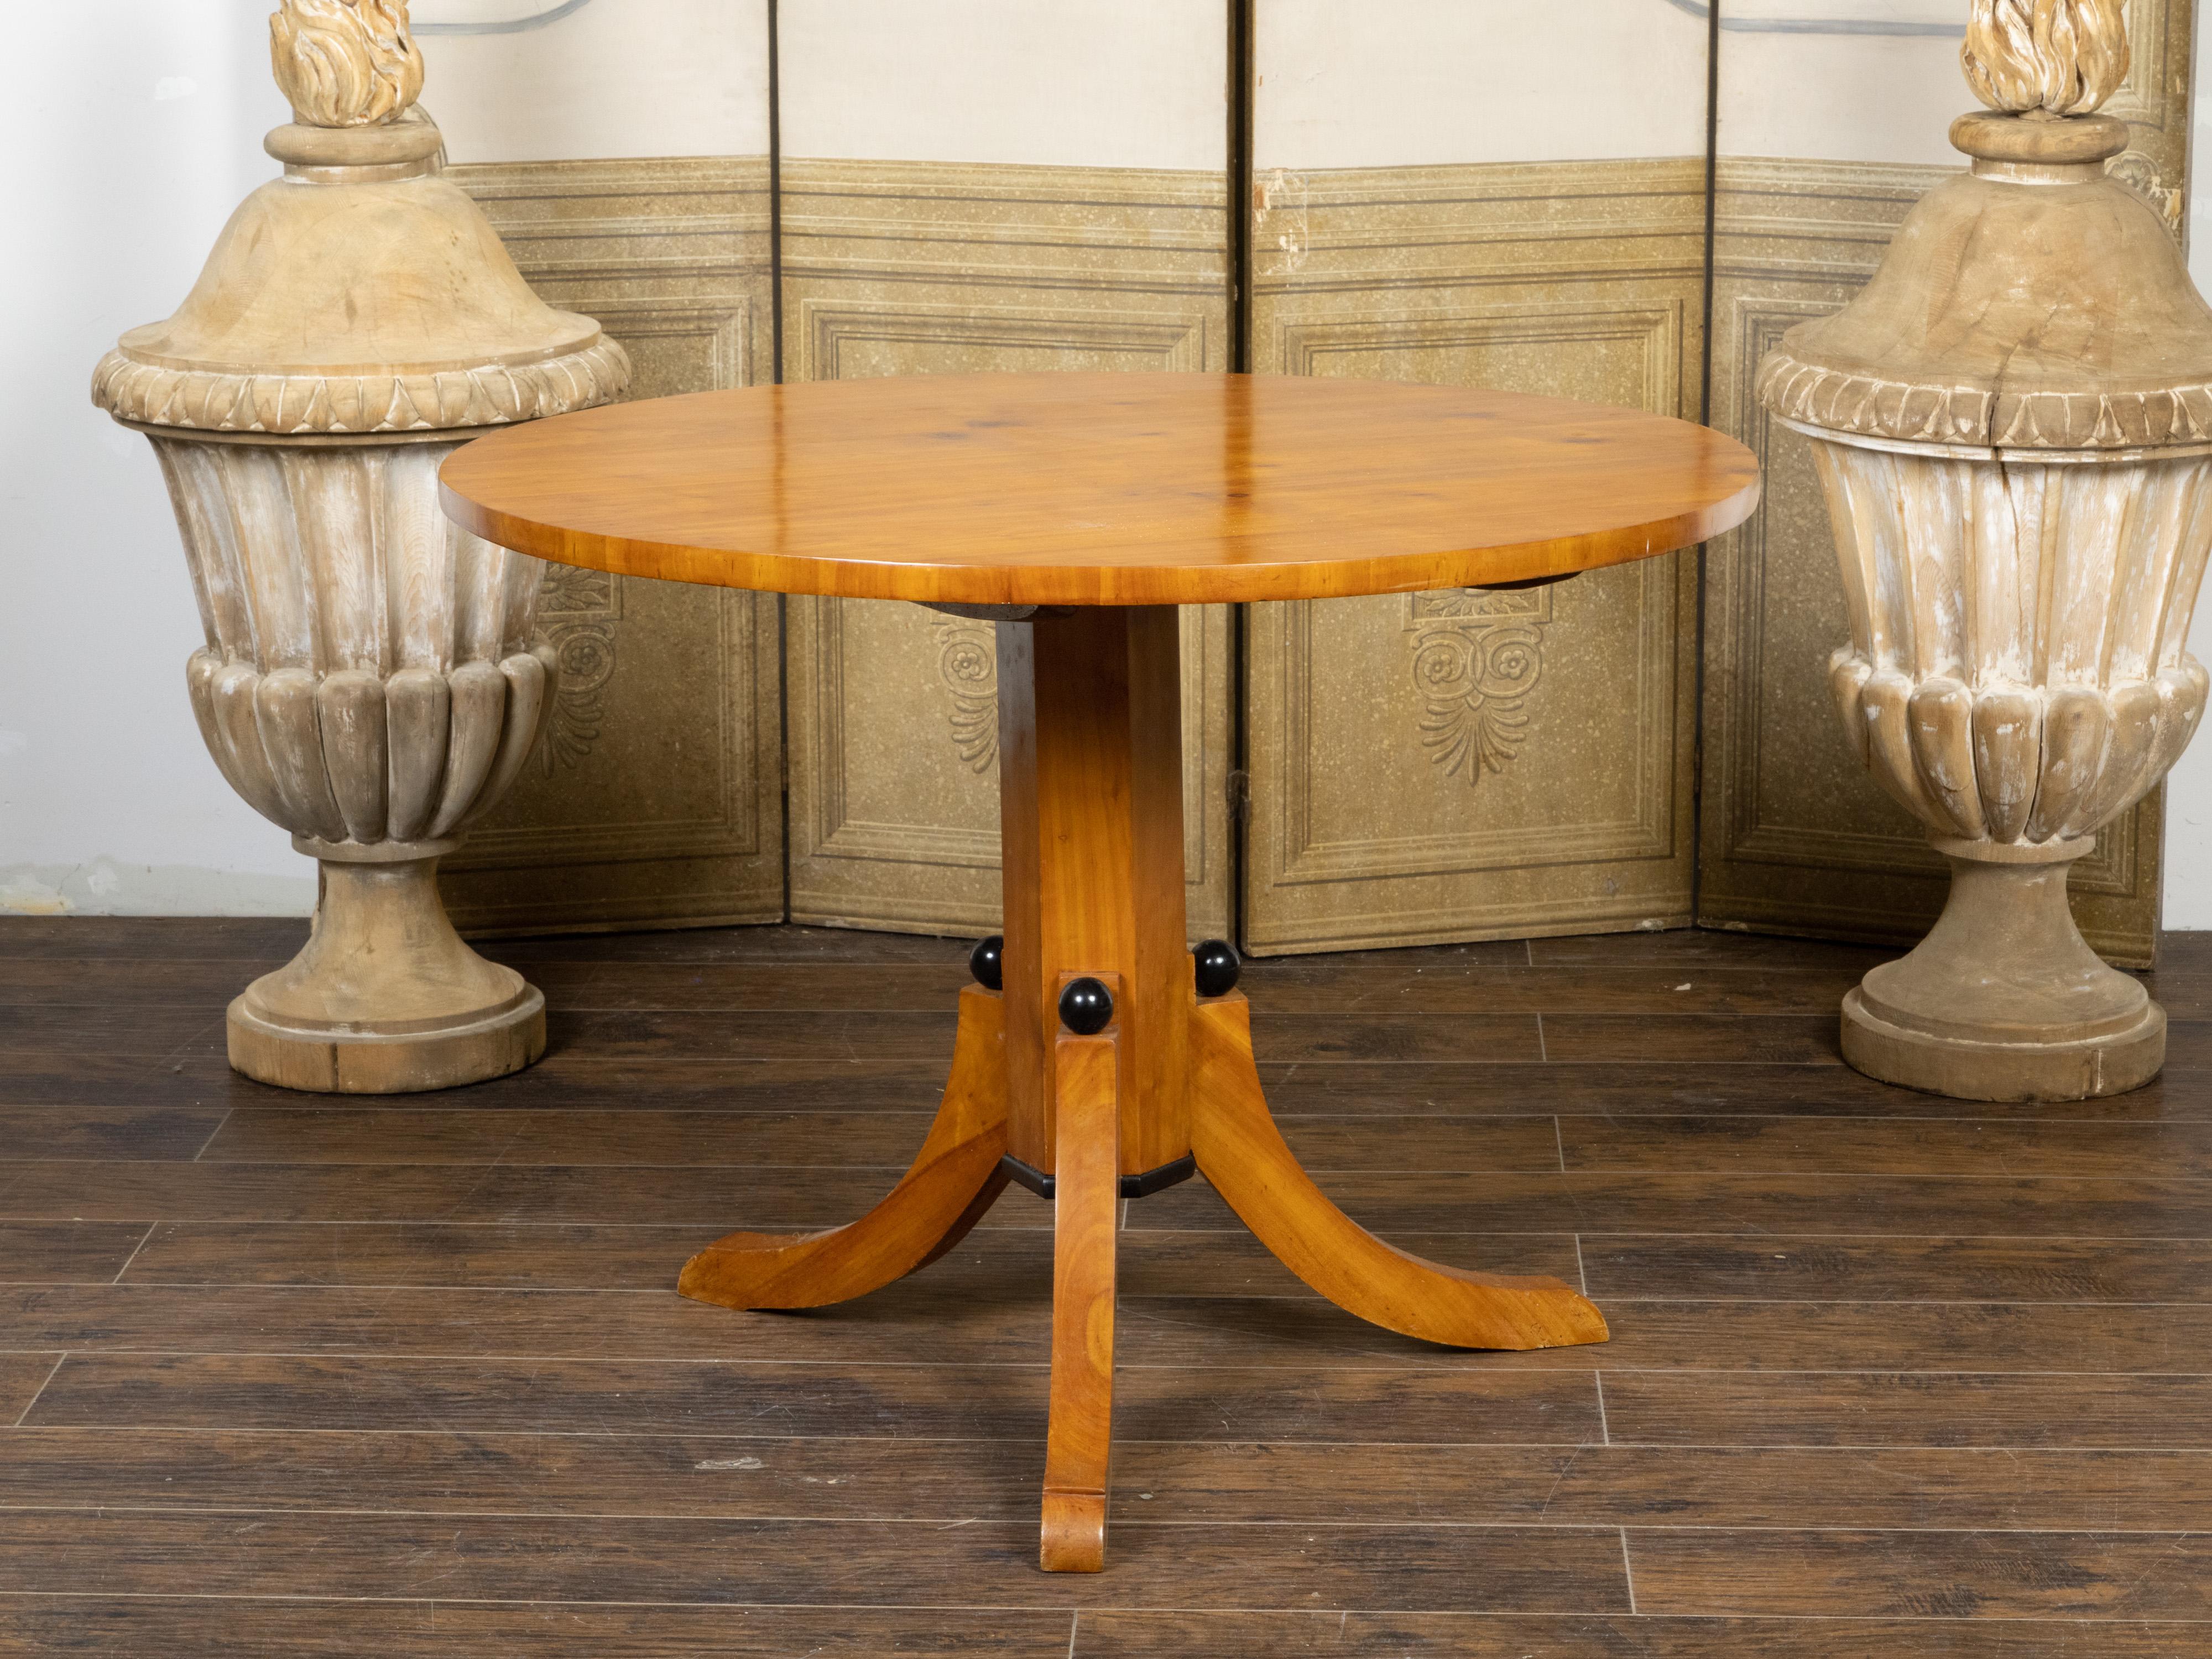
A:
x,y
1104,584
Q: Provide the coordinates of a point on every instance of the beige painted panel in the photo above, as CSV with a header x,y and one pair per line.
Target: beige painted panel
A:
x,y
654,799
921,268
1456,765
1794,837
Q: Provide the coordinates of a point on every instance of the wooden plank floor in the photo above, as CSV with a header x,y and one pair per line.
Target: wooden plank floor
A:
x,y
287,1375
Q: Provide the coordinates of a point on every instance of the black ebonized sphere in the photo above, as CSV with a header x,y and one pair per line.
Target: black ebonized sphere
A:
x,y
1218,965
1086,1008
984,963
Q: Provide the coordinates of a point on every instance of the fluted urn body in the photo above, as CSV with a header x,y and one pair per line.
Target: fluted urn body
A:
x,y
2012,425
369,679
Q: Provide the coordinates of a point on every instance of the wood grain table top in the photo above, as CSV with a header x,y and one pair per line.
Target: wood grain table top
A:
x,y
1101,489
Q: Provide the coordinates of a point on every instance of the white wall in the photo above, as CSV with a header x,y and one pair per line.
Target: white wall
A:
x,y
1842,97
130,146
599,83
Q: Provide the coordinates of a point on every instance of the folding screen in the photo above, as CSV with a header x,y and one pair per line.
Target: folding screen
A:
x,y
1484,195
1507,197
973,185
1831,125
621,147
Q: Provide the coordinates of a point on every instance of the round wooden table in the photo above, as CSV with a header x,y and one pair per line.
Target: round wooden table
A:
x,y
1080,509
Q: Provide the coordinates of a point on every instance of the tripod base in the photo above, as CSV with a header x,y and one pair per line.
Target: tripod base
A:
x,y
1091,827
962,1169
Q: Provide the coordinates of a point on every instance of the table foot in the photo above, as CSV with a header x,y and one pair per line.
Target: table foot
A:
x,y
1074,1536
1086,1205
1242,1153
954,1179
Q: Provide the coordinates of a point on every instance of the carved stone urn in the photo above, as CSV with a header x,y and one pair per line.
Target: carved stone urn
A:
x,y
370,678
2013,424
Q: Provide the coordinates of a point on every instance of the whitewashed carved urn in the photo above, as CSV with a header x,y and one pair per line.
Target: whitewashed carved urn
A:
x,y
2012,423
370,678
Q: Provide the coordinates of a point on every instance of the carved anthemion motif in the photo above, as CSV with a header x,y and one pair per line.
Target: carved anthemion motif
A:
x,y
1474,674
576,612
967,663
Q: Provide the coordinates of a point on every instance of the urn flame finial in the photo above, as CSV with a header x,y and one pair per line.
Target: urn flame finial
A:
x,y
2045,57
345,63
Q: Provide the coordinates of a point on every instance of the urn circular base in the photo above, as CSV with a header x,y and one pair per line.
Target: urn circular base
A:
x,y
385,998
475,1047
2004,999
1970,1068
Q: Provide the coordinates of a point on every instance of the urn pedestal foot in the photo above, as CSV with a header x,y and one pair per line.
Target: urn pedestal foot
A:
x,y
385,998
2004,999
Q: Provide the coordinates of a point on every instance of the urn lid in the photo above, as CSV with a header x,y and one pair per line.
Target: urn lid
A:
x,y
362,291
2034,302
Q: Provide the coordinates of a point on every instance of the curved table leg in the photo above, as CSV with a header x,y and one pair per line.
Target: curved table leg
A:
x,y
1242,1152
1086,1205
953,1180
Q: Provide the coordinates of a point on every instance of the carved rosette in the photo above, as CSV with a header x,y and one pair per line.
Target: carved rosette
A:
x,y
576,610
369,673
2017,671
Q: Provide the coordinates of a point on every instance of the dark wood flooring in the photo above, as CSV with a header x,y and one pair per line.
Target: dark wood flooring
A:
x,y
1890,1374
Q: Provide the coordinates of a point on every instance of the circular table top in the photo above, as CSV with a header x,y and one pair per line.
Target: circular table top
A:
x,y
1101,489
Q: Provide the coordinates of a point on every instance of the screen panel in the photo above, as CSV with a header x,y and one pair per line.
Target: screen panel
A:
x,y
1498,196
621,151
977,186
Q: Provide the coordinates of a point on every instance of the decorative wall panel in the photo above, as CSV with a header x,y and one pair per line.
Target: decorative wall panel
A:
x,y
655,798
1794,837
1463,765
927,267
